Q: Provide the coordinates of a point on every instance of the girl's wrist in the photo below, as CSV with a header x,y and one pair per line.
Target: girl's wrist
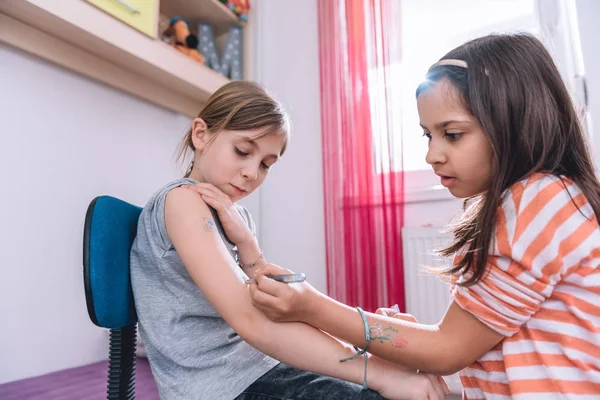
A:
x,y
246,240
249,253
313,303
375,373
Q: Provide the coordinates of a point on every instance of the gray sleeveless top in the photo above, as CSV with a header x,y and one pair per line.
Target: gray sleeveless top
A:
x,y
193,352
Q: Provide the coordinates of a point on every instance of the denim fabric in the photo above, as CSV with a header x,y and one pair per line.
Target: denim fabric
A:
x,y
288,383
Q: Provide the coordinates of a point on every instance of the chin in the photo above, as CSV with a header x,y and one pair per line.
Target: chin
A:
x,y
235,197
461,194
457,195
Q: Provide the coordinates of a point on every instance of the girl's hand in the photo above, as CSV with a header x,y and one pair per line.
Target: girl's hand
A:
x,y
395,382
281,302
234,225
389,312
437,381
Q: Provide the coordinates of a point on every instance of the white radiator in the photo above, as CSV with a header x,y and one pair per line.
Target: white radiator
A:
x,y
427,297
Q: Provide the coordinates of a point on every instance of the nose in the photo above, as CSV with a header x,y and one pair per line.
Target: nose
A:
x,y
436,154
250,171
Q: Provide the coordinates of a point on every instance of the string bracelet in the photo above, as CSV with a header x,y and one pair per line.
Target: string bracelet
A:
x,y
360,352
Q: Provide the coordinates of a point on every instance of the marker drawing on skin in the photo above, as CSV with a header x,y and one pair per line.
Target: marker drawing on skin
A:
x,y
387,334
209,224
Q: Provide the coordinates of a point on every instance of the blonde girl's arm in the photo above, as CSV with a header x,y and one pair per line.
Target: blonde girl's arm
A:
x,y
237,225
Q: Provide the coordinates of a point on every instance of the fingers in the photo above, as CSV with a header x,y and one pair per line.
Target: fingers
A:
x,y
436,387
272,269
211,201
390,312
444,385
387,312
203,189
260,299
405,317
270,286
204,186
210,192
269,305
260,275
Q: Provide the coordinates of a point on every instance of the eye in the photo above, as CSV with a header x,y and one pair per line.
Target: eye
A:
x,y
265,166
427,135
453,137
240,153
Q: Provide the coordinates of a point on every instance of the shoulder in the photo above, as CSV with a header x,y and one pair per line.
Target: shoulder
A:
x,y
159,195
154,213
544,212
542,193
188,220
183,201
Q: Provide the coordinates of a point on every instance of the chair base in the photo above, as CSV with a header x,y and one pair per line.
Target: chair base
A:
x,y
121,363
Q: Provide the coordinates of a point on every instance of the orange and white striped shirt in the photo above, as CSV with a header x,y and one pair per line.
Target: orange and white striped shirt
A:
x,y
542,292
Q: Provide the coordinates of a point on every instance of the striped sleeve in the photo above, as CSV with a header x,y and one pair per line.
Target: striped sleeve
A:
x,y
544,227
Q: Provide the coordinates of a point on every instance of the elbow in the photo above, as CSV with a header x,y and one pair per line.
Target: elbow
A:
x,y
449,361
443,367
252,338
252,330
459,363
259,337
440,367
449,367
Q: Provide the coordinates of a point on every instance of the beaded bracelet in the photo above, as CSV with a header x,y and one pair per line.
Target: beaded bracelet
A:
x,y
252,265
360,352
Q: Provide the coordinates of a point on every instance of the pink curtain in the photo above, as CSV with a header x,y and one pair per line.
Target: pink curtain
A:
x,y
363,182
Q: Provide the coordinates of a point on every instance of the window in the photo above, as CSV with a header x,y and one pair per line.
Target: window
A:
x,y
429,29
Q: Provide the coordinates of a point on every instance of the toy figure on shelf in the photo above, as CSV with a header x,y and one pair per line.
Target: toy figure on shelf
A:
x,y
239,7
181,38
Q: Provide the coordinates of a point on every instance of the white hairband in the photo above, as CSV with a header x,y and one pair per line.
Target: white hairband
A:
x,y
450,61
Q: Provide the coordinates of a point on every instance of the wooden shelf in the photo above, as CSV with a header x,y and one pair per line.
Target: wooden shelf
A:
x,y
211,11
78,36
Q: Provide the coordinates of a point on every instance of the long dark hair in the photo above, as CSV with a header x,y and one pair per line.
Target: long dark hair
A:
x,y
514,90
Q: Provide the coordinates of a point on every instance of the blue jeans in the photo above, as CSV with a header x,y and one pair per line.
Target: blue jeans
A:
x,y
288,383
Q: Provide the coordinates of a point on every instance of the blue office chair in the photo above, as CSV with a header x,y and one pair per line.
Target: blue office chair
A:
x,y
110,227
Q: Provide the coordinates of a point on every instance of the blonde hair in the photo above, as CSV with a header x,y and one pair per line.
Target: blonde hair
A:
x,y
240,106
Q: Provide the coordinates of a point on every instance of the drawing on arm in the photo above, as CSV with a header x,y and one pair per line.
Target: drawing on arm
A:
x,y
209,224
388,334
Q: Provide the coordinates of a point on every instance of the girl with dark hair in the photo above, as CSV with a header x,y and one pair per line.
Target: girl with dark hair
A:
x,y
524,319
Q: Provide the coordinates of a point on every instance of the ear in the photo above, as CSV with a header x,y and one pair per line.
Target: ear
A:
x,y
200,134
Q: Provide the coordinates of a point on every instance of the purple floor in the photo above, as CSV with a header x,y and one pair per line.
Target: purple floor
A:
x,y
81,383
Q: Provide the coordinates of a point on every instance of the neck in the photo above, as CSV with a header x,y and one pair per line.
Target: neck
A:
x,y
195,175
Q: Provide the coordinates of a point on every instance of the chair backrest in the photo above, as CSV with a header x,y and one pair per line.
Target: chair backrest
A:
x,y
109,231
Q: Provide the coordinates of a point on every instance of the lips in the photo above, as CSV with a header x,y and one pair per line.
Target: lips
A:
x,y
239,189
446,180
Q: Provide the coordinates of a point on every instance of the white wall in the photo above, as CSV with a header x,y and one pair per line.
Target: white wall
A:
x,y
65,139
588,15
291,200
